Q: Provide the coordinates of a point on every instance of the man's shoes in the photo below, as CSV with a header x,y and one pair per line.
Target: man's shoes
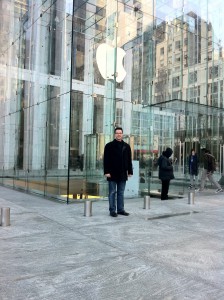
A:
x,y
123,213
199,190
113,214
218,191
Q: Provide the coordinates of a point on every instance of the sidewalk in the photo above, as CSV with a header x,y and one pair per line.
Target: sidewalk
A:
x,y
171,251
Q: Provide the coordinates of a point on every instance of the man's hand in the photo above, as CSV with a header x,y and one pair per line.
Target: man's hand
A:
x,y
107,175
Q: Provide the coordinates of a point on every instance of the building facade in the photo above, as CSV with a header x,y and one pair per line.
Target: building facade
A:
x,y
71,71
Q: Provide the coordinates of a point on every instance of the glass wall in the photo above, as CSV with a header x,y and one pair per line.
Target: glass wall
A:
x,y
71,71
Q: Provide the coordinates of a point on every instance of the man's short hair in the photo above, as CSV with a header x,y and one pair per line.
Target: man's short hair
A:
x,y
118,128
205,150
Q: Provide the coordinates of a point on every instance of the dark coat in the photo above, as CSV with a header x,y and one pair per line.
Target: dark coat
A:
x,y
165,166
209,162
193,164
117,160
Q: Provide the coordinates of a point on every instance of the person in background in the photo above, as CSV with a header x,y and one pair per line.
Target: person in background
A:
x,y
193,169
165,172
117,168
209,168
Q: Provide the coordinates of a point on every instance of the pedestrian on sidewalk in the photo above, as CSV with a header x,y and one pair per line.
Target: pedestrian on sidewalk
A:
x,y
165,172
209,167
193,169
117,168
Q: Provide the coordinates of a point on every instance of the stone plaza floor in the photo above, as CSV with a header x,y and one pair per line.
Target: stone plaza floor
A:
x,y
174,250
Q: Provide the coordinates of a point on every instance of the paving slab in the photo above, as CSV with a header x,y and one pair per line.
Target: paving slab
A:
x,y
171,251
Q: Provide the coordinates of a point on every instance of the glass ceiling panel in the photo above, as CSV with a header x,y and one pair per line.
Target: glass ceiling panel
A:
x,y
181,106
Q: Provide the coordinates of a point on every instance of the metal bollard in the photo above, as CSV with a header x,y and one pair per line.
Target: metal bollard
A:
x,y
191,197
88,208
146,202
5,216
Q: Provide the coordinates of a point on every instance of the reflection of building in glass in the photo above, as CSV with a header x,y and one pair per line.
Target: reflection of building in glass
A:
x,y
57,110
188,65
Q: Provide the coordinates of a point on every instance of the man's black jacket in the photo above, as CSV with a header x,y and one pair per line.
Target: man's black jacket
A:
x,y
117,160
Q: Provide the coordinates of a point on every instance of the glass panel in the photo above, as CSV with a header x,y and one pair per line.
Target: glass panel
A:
x,y
71,71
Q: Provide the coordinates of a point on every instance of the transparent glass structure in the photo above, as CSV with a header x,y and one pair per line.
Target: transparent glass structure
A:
x,y
71,71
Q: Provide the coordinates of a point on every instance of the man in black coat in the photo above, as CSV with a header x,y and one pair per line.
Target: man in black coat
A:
x,y
117,168
165,172
208,170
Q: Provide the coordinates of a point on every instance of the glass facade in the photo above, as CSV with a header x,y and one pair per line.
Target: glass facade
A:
x,y
71,71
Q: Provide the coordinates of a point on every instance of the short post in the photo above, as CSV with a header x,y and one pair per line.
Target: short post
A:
x,y
5,216
88,208
146,202
191,197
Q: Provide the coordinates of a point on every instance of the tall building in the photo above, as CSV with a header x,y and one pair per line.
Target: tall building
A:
x,y
71,71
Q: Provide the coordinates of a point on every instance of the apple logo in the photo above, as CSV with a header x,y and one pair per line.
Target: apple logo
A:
x,y
105,59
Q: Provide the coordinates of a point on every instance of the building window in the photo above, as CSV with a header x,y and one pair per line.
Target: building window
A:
x,y
213,72
97,113
210,55
177,45
192,77
176,95
210,26
118,116
176,81
209,40
169,47
193,94
177,58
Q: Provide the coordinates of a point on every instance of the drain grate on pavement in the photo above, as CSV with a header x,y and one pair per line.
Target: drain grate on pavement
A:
x,y
172,215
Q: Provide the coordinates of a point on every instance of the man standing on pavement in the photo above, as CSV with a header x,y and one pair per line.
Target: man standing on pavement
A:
x,y
209,168
117,168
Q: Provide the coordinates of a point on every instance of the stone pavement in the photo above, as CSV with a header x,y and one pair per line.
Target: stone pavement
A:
x,y
171,251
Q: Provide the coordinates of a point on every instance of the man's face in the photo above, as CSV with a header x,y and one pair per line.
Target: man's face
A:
x,y
119,135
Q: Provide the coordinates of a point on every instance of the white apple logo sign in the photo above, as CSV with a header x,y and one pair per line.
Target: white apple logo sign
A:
x,y
105,59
